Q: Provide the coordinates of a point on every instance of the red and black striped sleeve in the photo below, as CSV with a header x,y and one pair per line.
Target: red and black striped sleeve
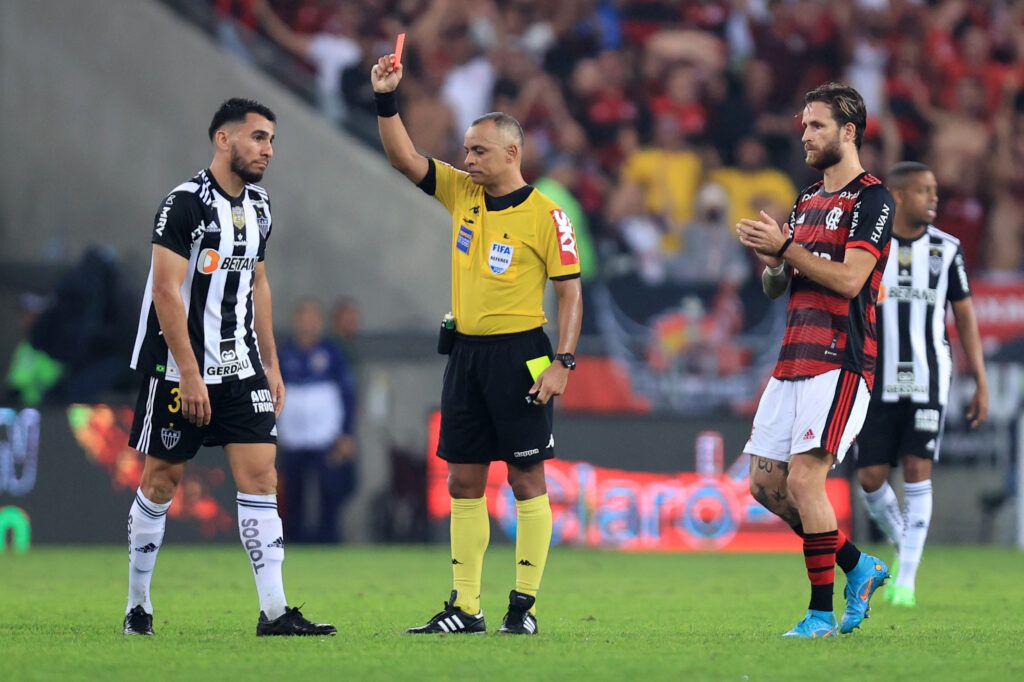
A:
x,y
873,215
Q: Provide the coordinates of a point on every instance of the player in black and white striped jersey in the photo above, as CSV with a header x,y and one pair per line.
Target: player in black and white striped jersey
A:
x,y
926,270
218,285
205,348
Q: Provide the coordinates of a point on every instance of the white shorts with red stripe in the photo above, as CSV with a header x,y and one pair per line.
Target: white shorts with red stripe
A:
x,y
794,416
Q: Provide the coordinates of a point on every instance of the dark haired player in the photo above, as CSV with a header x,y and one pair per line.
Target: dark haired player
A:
x,y
908,408
830,256
205,348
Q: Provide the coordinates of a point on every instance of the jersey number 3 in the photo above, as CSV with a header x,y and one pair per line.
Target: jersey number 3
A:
x,y
176,405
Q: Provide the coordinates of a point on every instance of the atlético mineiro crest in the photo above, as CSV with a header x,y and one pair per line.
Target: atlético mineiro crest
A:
x,y
262,219
170,436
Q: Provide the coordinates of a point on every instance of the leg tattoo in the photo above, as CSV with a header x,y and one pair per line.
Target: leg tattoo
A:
x,y
777,501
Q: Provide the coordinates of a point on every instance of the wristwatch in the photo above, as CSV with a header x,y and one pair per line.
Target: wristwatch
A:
x,y
567,359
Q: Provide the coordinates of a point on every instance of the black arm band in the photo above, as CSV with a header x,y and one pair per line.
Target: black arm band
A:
x,y
784,247
387,103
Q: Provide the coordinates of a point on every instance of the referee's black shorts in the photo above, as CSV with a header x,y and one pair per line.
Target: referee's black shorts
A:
x,y
484,413
894,430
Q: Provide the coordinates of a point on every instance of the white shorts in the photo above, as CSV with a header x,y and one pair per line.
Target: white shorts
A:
x,y
826,411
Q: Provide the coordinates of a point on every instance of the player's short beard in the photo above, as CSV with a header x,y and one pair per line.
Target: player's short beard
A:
x,y
238,167
829,156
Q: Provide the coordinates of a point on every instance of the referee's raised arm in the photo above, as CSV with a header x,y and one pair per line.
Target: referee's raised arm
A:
x,y
385,76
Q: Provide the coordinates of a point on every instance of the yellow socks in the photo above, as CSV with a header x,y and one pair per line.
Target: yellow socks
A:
x,y
470,532
533,538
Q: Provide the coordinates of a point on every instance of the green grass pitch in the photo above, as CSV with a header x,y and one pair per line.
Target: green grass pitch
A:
x,y
602,616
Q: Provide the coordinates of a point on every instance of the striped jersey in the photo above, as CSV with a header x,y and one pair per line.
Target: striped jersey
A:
x,y
925,273
825,330
223,238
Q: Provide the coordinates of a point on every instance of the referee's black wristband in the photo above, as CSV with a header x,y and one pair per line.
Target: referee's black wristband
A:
x,y
784,247
387,103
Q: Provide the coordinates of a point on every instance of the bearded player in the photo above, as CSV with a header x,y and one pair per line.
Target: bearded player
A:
x,y
210,375
830,257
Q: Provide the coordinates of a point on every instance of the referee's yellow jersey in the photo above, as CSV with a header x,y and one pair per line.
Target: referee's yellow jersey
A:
x,y
504,249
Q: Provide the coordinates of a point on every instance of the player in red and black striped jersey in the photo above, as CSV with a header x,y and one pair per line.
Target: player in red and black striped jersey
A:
x,y
826,329
830,256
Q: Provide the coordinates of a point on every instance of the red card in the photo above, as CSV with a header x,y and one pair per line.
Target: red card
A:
x,y
399,44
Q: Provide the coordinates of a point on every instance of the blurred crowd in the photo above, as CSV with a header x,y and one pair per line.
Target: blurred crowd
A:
x,y
74,340
667,120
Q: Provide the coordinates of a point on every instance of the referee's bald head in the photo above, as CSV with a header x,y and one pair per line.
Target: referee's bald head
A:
x,y
506,125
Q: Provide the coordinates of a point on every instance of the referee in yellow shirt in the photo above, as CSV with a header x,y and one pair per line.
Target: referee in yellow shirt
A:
x,y
508,239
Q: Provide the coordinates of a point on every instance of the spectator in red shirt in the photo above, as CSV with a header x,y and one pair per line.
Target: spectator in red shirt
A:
x,y
681,101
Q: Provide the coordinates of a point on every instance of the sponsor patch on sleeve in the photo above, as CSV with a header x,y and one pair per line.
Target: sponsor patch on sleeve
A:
x,y
464,239
566,238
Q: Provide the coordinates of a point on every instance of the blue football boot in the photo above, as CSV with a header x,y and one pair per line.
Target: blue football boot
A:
x,y
814,625
861,583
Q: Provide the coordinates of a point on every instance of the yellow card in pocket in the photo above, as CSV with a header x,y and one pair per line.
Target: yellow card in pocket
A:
x,y
538,365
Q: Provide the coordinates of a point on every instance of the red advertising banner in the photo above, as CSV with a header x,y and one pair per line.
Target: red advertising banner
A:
x,y
102,431
705,510
999,307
